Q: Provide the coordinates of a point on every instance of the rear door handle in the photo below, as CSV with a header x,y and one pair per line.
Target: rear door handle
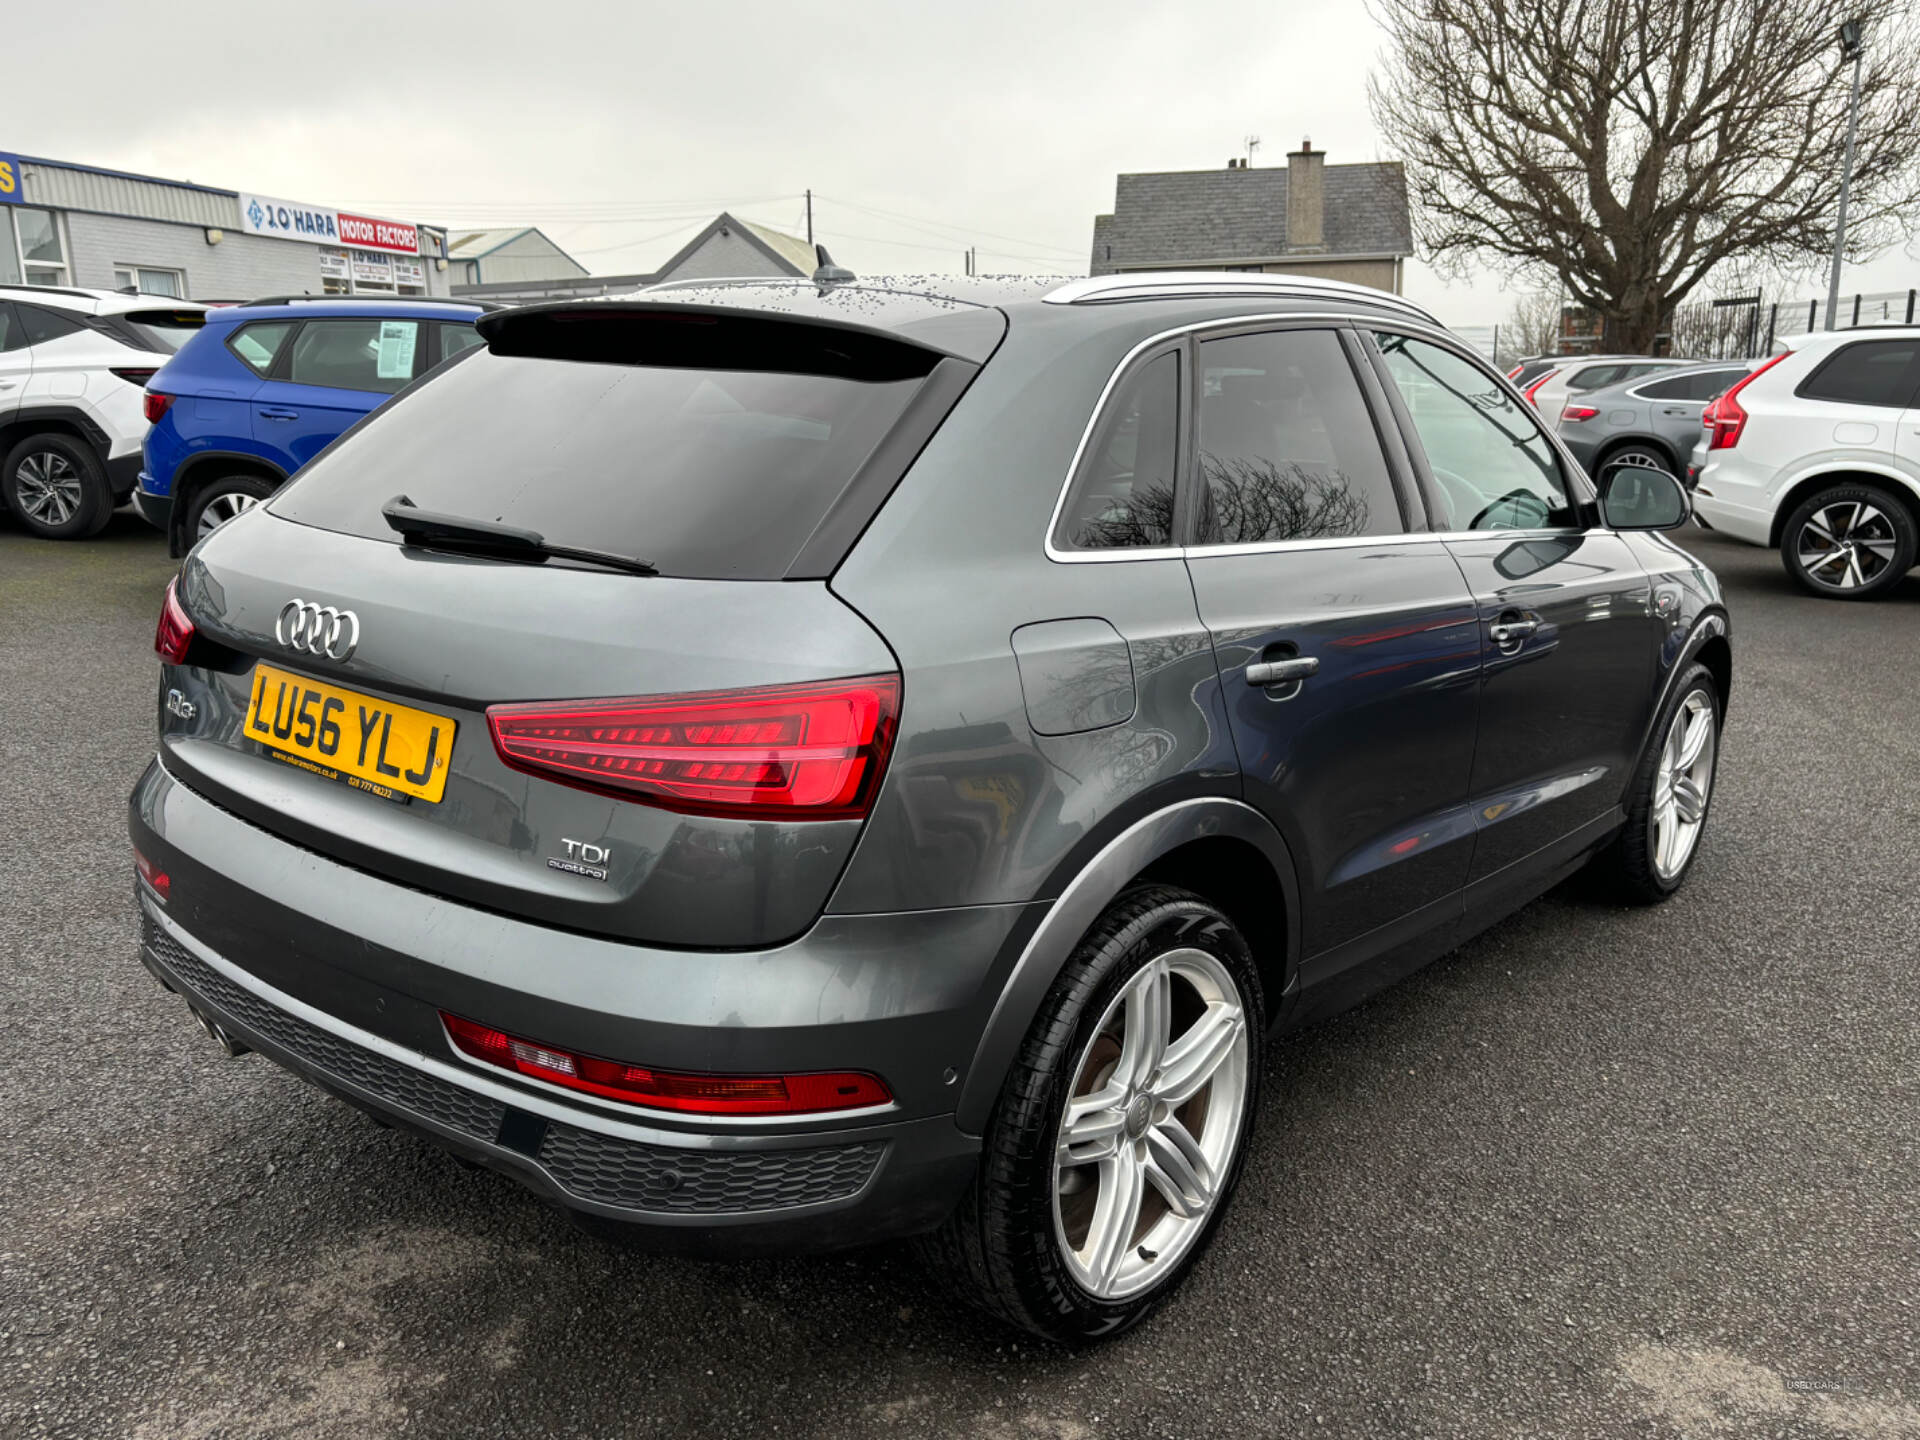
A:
x,y
272,414
1281,672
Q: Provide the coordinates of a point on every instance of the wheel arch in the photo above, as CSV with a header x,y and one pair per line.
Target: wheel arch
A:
x,y
1615,444
1901,487
198,471
60,420
1219,847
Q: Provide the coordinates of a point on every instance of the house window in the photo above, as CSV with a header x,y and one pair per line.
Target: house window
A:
x,y
31,247
147,280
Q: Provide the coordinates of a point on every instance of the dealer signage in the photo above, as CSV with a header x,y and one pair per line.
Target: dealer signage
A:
x,y
291,220
10,169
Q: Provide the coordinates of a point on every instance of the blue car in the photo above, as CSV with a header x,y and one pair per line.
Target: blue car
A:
x,y
264,387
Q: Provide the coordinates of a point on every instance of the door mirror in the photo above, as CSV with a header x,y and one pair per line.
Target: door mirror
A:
x,y
1639,497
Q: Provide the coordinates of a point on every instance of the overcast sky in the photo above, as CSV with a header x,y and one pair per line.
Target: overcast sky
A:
x,y
620,128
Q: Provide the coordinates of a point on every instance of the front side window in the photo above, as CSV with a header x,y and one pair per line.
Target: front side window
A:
x,y
1492,464
366,354
1122,496
1287,448
257,344
1870,372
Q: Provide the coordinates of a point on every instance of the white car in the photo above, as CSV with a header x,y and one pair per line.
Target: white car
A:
x,y
73,366
1549,394
1818,452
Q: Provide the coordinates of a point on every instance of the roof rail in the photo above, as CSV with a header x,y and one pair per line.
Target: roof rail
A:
x,y
1199,284
54,290
377,299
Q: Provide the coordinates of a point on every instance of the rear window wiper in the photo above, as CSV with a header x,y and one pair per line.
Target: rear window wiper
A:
x,y
431,530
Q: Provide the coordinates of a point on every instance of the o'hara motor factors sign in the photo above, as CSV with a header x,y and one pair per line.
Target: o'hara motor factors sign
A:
x,y
292,220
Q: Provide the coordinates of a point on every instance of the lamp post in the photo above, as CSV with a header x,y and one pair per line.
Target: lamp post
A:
x,y
1850,48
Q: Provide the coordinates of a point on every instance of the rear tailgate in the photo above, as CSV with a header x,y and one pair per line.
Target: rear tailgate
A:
x,y
737,476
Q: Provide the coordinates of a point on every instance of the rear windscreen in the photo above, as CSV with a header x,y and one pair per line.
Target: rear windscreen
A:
x,y
165,330
707,473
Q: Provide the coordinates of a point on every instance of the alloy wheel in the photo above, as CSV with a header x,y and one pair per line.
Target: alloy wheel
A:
x,y
1846,545
1151,1125
48,488
222,508
1681,785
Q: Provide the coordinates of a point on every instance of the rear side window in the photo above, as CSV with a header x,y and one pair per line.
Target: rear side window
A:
x,y
1594,376
710,473
1122,497
1287,448
1701,385
455,338
12,336
258,343
364,354
1871,372
44,325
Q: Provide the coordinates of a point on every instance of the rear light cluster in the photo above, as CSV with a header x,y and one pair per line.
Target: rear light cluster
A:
x,y
1532,393
134,376
1578,413
156,879
155,403
173,636
1725,418
797,752
666,1089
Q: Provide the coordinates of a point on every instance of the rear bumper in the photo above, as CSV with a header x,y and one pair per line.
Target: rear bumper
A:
x,y
123,474
156,510
251,936
1740,521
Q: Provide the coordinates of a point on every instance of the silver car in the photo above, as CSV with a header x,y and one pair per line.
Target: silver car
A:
x,y
1645,420
1595,372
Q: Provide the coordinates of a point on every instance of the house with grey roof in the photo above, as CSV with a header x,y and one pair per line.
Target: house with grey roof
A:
x,y
516,253
728,247
1309,218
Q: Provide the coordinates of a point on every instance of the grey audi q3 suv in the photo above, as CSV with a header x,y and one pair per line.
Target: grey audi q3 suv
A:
x,y
781,765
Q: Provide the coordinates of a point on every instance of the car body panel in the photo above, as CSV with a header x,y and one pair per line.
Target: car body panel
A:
x,y
1631,415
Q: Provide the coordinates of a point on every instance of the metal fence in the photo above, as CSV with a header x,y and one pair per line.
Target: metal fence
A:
x,y
1746,327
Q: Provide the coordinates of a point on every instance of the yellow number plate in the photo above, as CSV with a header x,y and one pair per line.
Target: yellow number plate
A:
x,y
371,744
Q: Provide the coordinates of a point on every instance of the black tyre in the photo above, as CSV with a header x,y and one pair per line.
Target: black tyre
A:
x,y
1849,542
1119,1135
1647,456
55,487
219,501
1671,795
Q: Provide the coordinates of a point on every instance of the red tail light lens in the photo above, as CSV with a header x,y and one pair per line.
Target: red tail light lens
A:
x,y
1578,412
173,637
667,1089
1725,418
798,752
134,377
156,402
156,878
1532,393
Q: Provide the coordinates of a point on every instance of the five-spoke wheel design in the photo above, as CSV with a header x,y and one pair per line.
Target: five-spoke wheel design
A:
x,y
1681,784
1151,1124
1846,545
48,488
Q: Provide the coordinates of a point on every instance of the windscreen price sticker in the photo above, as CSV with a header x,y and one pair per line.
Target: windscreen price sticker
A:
x,y
396,349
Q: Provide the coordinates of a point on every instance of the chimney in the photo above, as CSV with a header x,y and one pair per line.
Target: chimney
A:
x,y
1306,198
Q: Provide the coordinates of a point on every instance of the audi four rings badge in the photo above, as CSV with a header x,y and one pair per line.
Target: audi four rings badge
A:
x,y
313,629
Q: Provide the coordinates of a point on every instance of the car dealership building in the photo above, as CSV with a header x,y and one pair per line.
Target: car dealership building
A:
x,y
67,224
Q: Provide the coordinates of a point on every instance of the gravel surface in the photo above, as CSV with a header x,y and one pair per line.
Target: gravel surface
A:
x,y
1601,1172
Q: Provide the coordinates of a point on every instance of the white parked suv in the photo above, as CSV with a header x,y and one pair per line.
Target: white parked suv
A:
x,y
1550,392
73,366
1818,452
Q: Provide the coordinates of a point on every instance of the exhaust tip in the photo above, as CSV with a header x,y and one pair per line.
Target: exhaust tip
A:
x,y
234,1048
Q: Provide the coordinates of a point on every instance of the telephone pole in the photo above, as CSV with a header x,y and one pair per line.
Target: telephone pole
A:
x,y
809,217
1850,49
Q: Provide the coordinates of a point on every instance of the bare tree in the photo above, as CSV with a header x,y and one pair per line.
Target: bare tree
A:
x,y
1631,146
1534,322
